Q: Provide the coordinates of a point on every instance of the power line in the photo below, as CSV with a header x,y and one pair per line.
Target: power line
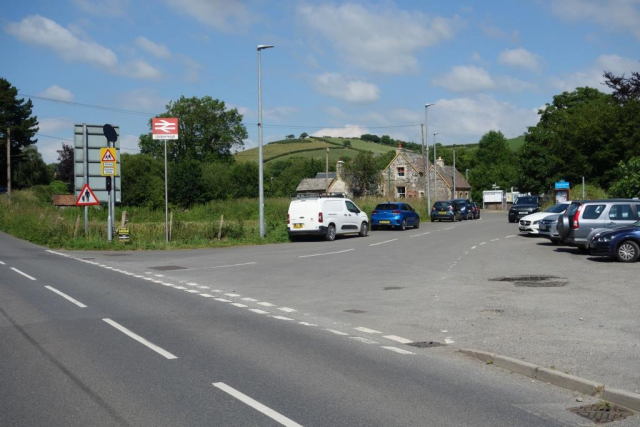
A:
x,y
97,107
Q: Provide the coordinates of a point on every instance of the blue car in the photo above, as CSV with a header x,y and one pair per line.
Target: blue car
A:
x,y
394,215
621,243
465,208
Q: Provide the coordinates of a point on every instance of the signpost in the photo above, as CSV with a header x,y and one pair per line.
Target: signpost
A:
x,y
165,128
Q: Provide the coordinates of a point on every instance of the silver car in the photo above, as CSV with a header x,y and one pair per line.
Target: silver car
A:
x,y
583,219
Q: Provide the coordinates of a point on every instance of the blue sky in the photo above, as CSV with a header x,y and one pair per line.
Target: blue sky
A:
x,y
338,68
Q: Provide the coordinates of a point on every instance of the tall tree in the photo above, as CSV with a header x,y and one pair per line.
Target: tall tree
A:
x,y
363,174
31,169
207,131
65,164
15,114
494,163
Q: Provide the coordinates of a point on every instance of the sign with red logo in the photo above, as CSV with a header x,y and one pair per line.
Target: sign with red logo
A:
x,y
164,128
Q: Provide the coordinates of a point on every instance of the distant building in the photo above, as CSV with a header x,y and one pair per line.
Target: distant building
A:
x,y
325,183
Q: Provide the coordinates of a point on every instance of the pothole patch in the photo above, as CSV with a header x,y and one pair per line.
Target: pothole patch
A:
x,y
167,268
354,311
533,281
602,413
392,288
494,311
425,344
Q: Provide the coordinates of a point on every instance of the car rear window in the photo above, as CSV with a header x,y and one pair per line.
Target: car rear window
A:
x,y
527,201
442,205
386,207
592,211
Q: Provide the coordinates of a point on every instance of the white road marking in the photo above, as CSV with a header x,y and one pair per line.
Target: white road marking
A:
x,y
398,339
249,299
159,275
483,243
380,243
141,340
508,237
192,291
473,247
448,340
466,252
257,405
166,284
266,304
363,340
180,287
67,297
222,300
146,272
257,310
233,295
202,287
333,331
397,350
282,318
307,324
421,234
444,330
219,266
148,278
191,284
328,253
287,309
206,295
138,276
24,274
237,304
2,263
494,240
367,330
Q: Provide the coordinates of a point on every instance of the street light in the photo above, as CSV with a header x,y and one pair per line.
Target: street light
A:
x,y
426,158
454,171
435,167
261,47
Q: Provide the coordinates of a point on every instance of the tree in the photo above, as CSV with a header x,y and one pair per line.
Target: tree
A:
x,y
15,114
494,163
304,135
142,180
207,131
629,183
31,169
65,168
386,140
624,88
362,174
369,137
186,187
290,136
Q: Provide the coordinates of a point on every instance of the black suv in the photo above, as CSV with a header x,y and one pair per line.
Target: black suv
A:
x,y
524,205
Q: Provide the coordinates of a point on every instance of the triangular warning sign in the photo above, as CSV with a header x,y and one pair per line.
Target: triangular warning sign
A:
x,y
86,197
108,157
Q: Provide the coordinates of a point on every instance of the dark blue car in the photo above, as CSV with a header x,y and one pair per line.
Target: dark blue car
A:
x,y
622,243
394,215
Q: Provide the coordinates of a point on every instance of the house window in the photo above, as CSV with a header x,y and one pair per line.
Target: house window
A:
x,y
401,171
400,192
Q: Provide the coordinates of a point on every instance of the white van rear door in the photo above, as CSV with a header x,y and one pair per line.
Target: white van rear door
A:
x,y
303,215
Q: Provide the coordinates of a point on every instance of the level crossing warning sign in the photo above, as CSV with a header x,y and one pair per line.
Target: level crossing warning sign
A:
x,y
86,197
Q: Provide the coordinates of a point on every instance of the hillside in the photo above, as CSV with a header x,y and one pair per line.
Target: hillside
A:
x,y
312,148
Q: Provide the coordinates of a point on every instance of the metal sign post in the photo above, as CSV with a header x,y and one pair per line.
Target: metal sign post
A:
x,y
165,128
108,168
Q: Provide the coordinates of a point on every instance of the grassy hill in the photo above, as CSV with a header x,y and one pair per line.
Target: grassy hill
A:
x,y
312,148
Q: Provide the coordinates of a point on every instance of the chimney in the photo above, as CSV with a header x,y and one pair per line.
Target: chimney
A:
x,y
339,169
399,149
440,162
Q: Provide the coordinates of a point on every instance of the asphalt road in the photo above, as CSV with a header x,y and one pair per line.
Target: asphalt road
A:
x,y
261,336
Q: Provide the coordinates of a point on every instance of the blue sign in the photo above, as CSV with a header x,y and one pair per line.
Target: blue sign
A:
x,y
561,185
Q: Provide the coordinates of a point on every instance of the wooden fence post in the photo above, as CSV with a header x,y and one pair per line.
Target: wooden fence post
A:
x,y
220,230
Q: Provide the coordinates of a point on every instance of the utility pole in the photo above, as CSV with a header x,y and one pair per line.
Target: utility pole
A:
x,y
9,165
435,167
424,161
326,176
426,164
454,171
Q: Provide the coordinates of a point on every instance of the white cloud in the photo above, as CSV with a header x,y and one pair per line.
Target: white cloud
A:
x,y
380,40
278,113
223,15
520,58
346,88
57,92
466,79
54,125
348,131
40,31
129,144
156,49
617,15
497,33
592,76
143,99
103,7
617,64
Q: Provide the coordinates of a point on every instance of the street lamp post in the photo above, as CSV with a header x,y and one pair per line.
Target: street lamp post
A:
x,y
454,171
261,47
426,158
435,167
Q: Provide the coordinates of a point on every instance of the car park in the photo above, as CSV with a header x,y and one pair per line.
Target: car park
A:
x,y
530,224
466,210
394,215
523,206
325,215
584,219
622,243
446,210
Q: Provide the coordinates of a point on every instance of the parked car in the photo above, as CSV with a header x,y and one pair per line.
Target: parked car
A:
x,y
530,224
583,219
476,210
622,243
446,210
523,206
548,227
465,208
396,215
327,216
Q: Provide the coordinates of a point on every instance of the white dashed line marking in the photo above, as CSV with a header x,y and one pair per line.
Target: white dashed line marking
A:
x,y
233,295
191,284
180,287
473,247
367,330
287,309
159,275
266,304
219,266
193,291
206,295
327,253
237,304
333,331
282,318
397,350
508,237
222,300
483,243
23,273
202,287
67,297
398,339
2,263
380,243
448,340
307,324
494,240
363,340
140,339
257,310
249,299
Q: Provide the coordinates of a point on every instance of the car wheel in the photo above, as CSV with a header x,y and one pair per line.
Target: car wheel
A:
x,y
331,233
628,251
403,226
364,229
417,223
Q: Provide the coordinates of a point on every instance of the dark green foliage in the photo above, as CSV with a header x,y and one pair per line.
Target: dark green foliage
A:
x,y
303,135
186,187
243,180
142,180
494,163
283,176
58,187
363,174
369,137
30,169
16,114
207,131
628,182
65,168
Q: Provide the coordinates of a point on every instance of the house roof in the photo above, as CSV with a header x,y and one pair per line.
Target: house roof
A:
x,y
314,184
324,175
446,173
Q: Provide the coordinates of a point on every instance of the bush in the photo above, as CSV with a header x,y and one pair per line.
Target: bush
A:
x,y
592,192
58,187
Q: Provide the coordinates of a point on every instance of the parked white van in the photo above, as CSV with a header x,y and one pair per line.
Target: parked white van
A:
x,y
327,216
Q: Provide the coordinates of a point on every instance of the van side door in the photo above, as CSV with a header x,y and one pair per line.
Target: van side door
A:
x,y
352,217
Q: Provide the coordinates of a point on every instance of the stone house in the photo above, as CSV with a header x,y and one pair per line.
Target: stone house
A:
x,y
325,183
404,178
